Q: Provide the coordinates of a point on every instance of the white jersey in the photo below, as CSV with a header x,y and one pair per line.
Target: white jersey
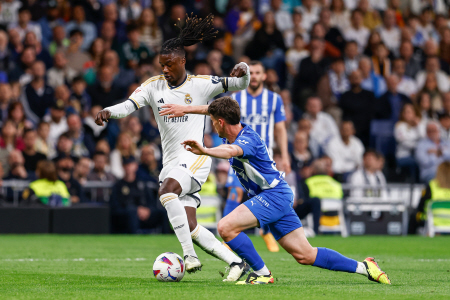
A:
x,y
195,90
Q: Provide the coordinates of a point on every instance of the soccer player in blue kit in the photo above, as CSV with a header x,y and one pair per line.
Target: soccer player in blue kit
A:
x,y
271,199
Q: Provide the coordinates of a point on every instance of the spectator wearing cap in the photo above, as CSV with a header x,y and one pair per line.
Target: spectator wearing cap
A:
x,y
24,24
31,156
132,209
60,73
57,124
431,151
358,106
444,120
76,57
64,168
79,22
346,151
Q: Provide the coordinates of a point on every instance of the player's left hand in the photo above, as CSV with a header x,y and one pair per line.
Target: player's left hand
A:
x,y
239,70
286,164
172,110
194,147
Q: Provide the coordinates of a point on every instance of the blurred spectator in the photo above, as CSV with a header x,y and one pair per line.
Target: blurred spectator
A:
x,y
444,45
310,13
79,97
432,65
64,169
333,34
22,71
31,156
346,151
297,29
372,43
227,61
41,53
47,189
105,92
357,31
407,85
42,145
380,61
134,51
109,35
112,28
76,57
358,106
6,59
412,66
57,124
148,169
301,156
79,23
99,173
17,168
424,106
9,139
295,54
5,100
125,148
123,78
159,7
389,32
372,17
417,6
177,15
134,128
83,144
444,120
24,24
371,81
340,16
82,170
391,103
150,33
351,57
369,174
59,40
323,126
131,207
16,113
432,89
319,31
60,73
49,21
431,151
129,10
311,69
408,131
445,103
10,12
316,149
283,18
96,51
214,59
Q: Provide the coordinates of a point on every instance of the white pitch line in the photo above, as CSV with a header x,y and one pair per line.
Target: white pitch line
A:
x,y
433,260
71,259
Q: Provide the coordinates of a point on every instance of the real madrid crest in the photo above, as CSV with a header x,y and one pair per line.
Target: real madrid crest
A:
x,y
188,99
125,190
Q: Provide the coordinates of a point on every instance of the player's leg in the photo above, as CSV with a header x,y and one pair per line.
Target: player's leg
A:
x,y
296,243
231,230
204,238
268,238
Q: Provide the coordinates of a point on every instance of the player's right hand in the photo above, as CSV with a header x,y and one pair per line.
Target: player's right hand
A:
x,y
101,116
172,110
194,147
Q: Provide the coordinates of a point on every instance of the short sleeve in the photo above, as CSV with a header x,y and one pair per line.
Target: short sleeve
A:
x,y
247,145
280,114
141,96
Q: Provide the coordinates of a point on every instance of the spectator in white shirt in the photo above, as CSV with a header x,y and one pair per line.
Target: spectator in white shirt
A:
x,y
357,31
340,16
369,175
424,105
407,132
407,85
24,25
283,18
289,35
432,65
60,73
129,10
9,11
389,32
323,127
58,125
295,54
310,13
345,150
351,57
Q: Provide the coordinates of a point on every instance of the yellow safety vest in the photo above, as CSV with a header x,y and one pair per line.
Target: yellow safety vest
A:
x,y
324,187
441,213
44,189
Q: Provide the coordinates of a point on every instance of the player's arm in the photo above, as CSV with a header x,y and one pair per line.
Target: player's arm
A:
x,y
222,151
176,110
282,143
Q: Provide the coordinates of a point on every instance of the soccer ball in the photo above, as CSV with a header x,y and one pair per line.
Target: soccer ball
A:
x,y
168,266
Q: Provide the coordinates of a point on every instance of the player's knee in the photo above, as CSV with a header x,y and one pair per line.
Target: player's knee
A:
x,y
192,224
224,229
306,258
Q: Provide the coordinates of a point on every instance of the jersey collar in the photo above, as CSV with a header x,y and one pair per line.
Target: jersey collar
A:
x,y
175,87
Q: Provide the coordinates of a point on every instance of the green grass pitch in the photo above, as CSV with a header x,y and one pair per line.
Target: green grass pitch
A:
x,y
120,267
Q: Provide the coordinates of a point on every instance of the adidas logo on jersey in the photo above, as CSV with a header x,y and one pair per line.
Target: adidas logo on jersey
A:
x,y
161,100
183,165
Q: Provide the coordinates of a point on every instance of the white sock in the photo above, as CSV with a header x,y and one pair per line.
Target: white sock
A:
x,y
204,238
178,219
361,269
263,271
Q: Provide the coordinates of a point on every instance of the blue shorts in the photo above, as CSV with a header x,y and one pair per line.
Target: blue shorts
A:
x,y
274,208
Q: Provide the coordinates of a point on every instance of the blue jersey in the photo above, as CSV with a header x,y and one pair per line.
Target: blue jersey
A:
x,y
261,113
255,169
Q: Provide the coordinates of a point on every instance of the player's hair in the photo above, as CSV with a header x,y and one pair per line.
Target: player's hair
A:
x,y
194,31
225,108
257,63
46,170
443,175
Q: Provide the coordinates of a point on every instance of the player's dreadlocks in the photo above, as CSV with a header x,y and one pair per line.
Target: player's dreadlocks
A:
x,y
194,31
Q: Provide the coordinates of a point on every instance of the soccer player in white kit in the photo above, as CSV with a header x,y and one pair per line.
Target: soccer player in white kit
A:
x,y
183,172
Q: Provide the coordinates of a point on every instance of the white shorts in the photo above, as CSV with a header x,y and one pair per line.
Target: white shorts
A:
x,y
191,171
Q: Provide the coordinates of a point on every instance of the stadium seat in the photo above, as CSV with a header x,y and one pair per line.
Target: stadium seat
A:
x,y
438,217
337,205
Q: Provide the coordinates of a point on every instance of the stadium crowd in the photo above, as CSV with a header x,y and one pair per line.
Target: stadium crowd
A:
x,y
353,75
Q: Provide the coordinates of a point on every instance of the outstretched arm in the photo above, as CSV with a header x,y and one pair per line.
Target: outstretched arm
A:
x,y
222,151
117,111
176,110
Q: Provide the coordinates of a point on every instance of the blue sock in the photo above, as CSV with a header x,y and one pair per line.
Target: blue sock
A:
x,y
332,260
265,229
243,246
230,206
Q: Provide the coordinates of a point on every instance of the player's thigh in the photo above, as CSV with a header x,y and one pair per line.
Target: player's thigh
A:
x,y
238,220
296,244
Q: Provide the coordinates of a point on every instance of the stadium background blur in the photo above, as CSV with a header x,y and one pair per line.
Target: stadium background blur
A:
x,y
365,85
